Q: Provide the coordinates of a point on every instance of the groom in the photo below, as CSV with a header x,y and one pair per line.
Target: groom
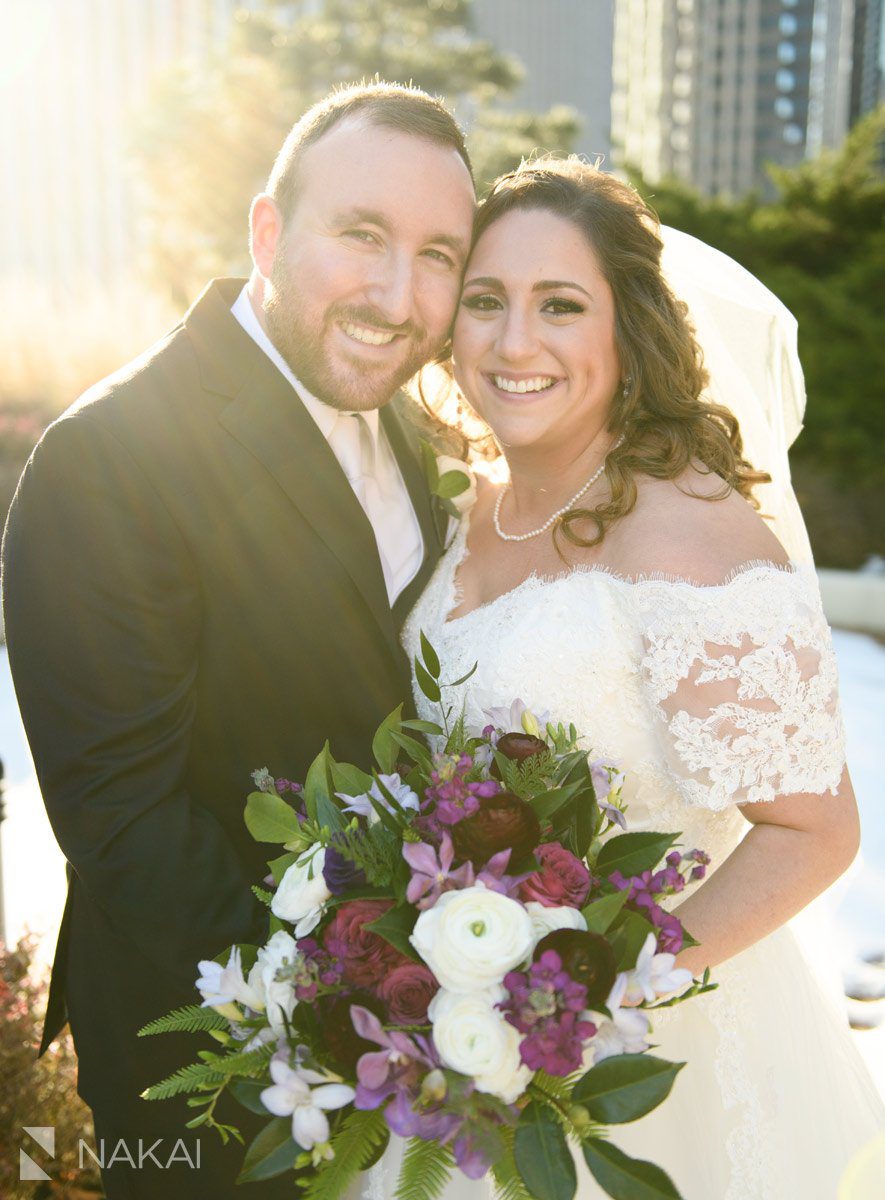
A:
x,y
204,571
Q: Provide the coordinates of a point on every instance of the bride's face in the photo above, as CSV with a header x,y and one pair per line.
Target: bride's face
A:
x,y
534,342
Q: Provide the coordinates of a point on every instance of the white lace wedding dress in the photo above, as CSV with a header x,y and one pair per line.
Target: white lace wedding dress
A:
x,y
708,696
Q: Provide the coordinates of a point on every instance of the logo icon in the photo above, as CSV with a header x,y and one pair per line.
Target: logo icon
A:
x,y
44,1136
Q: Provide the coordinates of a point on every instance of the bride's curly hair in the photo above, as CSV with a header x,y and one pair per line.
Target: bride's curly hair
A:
x,y
666,424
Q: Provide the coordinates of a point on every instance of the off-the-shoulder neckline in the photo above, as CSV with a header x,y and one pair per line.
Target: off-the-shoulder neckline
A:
x,y
601,572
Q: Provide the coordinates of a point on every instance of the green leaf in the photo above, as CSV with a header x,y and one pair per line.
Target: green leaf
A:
x,y
427,683
395,926
627,937
431,470
542,1155
428,727
350,780
316,783
548,803
451,484
626,1178
279,866
383,746
431,659
601,914
270,819
415,749
425,1170
625,1087
271,1153
190,1019
464,678
633,853
329,814
262,894
248,1093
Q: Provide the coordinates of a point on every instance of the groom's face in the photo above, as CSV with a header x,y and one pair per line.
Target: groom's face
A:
x,y
367,271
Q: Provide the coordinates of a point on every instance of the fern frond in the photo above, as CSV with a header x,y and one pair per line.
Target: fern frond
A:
x,y
425,1171
262,894
245,1064
194,1078
214,1069
190,1019
376,851
508,1181
354,1143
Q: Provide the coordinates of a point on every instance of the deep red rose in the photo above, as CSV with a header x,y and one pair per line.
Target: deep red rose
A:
x,y
562,879
503,821
407,991
367,958
518,747
587,957
344,1043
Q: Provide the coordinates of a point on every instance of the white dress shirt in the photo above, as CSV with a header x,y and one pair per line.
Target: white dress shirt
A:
x,y
364,454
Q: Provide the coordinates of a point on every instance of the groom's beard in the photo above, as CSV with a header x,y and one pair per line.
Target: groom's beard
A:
x,y
312,345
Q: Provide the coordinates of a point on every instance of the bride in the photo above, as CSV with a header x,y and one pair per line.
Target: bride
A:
x,y
623,578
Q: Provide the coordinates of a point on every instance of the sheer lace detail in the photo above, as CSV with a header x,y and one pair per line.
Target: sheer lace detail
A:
x,y
745,683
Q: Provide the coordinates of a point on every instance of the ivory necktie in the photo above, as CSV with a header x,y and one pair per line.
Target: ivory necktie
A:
x,y
353,446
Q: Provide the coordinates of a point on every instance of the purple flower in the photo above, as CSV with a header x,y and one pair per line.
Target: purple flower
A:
x,y
494,877
546,1004
607,777
339,872
316,967
431,874
400,1063
451,797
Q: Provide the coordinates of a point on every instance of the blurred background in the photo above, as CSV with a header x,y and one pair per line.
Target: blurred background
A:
x,y
133,134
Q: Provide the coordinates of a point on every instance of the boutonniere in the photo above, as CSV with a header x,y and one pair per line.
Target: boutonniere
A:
x,y
451,482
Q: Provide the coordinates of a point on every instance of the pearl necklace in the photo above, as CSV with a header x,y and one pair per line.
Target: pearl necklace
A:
x,y
524,537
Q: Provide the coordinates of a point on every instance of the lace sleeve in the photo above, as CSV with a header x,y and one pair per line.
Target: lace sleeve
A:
x,y
743,679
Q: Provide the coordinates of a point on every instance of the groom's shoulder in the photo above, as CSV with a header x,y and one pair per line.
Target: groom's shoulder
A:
x,y
149,382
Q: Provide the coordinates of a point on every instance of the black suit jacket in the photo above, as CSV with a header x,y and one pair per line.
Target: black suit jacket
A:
x,y
191,590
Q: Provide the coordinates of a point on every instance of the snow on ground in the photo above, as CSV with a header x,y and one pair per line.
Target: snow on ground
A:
x,y
842,927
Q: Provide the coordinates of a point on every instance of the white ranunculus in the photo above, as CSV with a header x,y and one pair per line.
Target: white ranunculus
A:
x,y
471,938
545,920
302,893
472,1037
271,977
465,500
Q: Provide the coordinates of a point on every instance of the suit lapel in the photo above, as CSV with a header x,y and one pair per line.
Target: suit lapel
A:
x,y
268,419
403,440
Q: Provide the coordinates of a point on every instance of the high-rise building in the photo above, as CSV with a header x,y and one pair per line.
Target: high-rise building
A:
x,y
565,48
710,91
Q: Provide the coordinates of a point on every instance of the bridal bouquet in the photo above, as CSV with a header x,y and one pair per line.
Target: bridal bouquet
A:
x,y
465,947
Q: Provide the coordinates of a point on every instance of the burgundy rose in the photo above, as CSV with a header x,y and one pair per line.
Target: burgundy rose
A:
x,y
562,879
344,1043
407,991
587,957
366,956
503,821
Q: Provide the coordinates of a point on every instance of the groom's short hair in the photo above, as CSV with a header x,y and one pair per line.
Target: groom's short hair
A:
x,y
396,106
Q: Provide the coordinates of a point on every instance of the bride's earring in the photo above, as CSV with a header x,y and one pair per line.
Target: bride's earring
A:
x,y
625,391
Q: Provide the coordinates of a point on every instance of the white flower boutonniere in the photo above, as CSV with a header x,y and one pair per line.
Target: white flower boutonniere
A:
x,y
451,481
